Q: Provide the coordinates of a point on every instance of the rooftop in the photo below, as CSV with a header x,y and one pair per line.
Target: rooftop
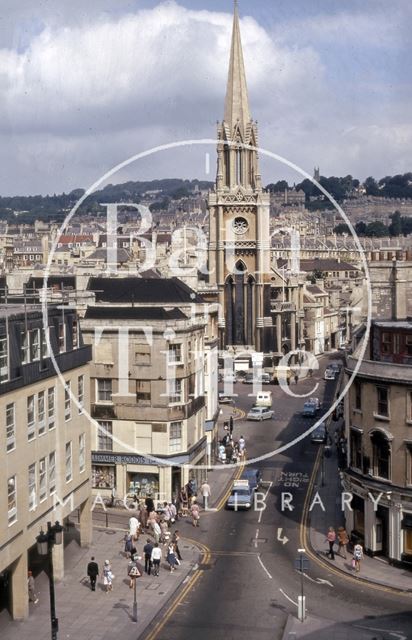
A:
x,y
133,313
142,290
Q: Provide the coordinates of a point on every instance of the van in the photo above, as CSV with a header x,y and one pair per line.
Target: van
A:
x,y
264,399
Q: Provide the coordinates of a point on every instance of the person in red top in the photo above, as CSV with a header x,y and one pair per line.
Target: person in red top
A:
x,y
331,538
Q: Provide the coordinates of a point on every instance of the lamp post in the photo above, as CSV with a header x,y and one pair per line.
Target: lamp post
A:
x,y
45,544
301,600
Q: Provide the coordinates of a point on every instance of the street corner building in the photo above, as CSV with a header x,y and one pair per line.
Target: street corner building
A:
x,y
45,468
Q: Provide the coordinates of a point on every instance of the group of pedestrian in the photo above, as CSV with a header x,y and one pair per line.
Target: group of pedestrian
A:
x,y
231,451
342,538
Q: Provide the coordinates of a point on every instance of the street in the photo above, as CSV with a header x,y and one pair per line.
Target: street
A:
x,y
249,586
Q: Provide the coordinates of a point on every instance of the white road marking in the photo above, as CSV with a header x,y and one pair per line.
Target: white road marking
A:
x,y
264,568
283,540
264,500
396,634
316,580
255,542
286,596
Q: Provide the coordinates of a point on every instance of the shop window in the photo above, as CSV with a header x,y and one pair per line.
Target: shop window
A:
x,y
143,484
175,440
407,541
11,500
381,455
104,389
383,401
355,449
105,436
103,477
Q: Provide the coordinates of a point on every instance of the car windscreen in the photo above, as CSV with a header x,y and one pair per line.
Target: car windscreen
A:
x,y
240,492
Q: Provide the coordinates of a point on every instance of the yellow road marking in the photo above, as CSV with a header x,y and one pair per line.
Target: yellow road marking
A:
x,y
305,542
227,493
195,577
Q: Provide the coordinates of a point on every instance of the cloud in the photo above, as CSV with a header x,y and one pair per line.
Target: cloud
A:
x,y
82,95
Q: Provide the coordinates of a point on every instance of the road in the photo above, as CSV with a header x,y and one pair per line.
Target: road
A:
x,y
249,586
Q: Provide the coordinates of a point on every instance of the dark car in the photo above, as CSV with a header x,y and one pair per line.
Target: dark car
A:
x,y
253,476
319,435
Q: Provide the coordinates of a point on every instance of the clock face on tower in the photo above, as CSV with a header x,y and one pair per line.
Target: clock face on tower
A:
x,y
240,225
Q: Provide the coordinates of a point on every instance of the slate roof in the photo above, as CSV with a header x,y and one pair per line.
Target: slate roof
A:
x,y
142,290
133,313
326,264
36,282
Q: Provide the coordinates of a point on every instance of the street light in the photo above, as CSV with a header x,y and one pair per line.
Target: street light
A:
x,y
45,544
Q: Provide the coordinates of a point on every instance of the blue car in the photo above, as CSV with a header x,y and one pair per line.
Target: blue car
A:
x,y
253,476
309,410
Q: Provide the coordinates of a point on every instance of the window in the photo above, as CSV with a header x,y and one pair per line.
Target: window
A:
x,y
175,440
386,343
51,406
82,452
10,427
381,455
30,418
355,449
68,458
383,401
176,393
42,479
142,355
80,392
358,395
32,486
4,360
104,390
104,436
24,347
34,345
44,349
67,401
175,354
143,396
41,412
408,345
52,472
62,337
11,500
75,333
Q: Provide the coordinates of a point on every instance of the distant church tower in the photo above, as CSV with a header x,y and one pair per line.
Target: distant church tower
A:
x,y
239,237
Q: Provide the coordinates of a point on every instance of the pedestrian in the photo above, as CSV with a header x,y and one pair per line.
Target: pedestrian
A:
x,y
147,550
343,540
175,540
133,571
156,558
30,586
357,556
173,512
134,527
242,445
128,544
195,514
205,491
149,504
193,486
157,532
92,572
143,516
331,538
113,496
310,373
171,557
184,501
231,425
164,531
108,576
296,378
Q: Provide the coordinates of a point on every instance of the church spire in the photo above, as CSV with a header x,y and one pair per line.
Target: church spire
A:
x,y
237,102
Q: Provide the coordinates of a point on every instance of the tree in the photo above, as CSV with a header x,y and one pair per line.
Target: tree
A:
x,y
281,185
395,228
341,228
361,228
377,229
371,187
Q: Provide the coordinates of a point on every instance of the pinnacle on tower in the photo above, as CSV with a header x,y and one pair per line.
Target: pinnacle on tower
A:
x,y
237,102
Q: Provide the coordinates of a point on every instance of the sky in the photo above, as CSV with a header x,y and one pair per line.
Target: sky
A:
x,y
86,85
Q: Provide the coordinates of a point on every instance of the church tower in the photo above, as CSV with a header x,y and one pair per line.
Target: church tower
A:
x,y
239,237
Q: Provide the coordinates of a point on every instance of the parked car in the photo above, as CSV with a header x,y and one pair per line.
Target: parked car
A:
x,y
248,379
225,398
335,366
260,413
253,476
329,374
316,402
319,435
309,410
228,376
263,378
241,497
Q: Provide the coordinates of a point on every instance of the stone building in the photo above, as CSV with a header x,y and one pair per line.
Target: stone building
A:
x,y
378,417
150,432
45,441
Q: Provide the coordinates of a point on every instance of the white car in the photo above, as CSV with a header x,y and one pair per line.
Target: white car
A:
x,y
228,376
260,413
316,402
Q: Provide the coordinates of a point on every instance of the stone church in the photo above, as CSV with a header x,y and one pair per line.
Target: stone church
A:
x,y
259,305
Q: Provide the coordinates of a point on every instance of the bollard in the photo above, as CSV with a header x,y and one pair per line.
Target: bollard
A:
x,y
301,608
